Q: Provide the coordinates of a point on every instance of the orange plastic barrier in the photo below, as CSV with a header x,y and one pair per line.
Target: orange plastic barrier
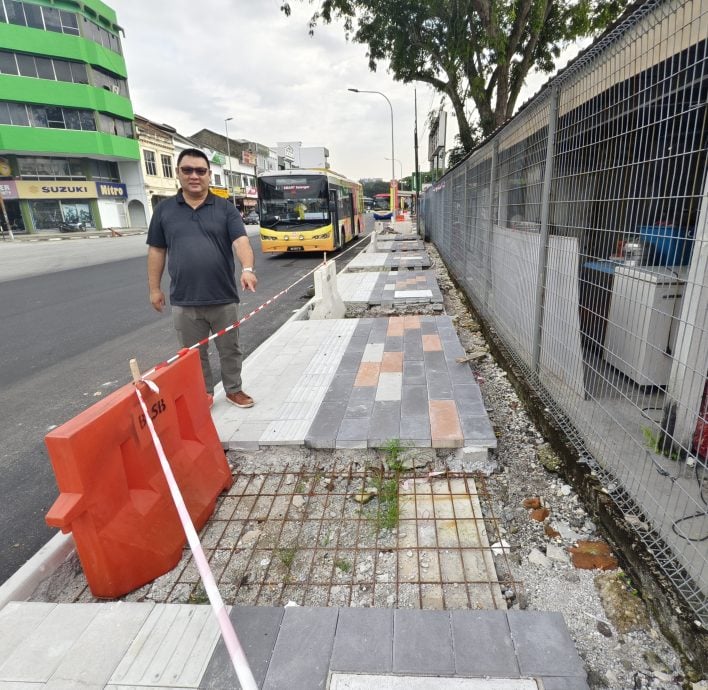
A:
x,y
114,496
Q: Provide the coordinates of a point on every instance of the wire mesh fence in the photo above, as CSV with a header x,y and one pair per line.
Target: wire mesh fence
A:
x,y
580,233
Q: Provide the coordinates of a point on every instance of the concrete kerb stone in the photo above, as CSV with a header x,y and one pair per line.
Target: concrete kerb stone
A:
x,y
90,235
42,565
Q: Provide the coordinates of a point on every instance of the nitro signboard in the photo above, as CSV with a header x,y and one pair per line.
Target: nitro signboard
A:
x,y
112,190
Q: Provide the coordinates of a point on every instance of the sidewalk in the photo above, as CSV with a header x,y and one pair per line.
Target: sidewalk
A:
x,y
329,385
56,235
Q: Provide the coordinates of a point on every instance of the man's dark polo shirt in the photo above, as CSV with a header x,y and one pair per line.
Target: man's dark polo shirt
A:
x,y
200,257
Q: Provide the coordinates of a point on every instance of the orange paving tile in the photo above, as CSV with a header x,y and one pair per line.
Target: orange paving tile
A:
x,y
368,374
392,362
445,427
431,343
395,326
411,321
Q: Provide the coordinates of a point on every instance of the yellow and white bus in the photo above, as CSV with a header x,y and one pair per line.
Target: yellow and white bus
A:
x,y
313,210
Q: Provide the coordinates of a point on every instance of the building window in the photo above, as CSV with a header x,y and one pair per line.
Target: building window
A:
x,y
36,168
105,171
150,165
38,17
166,165
217,179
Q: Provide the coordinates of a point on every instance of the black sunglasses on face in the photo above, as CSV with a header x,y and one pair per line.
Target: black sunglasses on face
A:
x,y
188,170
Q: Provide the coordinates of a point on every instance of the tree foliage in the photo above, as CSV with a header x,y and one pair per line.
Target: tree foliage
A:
x,y
470,50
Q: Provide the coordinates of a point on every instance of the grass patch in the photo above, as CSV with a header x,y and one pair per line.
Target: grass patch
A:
x,y
342,564
286,555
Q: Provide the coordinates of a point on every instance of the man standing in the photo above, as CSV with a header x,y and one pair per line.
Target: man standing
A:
x,y
197,234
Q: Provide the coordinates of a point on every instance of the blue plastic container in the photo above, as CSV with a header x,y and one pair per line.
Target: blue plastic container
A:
x,y
665,245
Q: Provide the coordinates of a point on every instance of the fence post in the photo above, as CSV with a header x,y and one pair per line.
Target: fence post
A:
x,y
491,215
543,237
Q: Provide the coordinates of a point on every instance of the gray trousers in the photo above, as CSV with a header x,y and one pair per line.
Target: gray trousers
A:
x,y
196,323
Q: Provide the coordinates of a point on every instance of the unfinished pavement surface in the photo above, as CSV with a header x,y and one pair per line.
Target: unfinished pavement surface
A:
x,y
147,645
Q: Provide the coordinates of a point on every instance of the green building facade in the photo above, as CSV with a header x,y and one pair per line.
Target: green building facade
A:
x,y
69,157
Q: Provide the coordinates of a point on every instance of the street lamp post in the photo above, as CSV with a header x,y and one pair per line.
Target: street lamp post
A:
x,y
230,184
400,164
393,154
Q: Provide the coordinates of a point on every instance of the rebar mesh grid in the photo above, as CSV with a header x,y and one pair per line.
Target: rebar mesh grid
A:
x,y
580,233
301,536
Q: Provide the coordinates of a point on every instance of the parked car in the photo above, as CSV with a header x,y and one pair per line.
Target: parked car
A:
x,y
251,218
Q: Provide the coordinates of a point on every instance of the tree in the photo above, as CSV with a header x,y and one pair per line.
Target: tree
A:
x,y
478,50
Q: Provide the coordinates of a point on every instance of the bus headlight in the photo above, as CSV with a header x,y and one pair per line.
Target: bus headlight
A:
x,y
321,237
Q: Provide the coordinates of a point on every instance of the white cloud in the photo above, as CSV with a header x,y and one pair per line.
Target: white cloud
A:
x,y
192,65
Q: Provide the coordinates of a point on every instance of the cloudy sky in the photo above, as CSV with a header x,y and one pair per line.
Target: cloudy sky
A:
x,y
193,64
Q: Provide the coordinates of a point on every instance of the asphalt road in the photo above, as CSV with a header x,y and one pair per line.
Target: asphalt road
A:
x,y
73,314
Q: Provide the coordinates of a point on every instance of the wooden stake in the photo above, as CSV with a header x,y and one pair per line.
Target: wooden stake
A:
x,y
135,370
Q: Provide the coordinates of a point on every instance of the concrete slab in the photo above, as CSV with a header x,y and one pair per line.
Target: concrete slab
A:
x,y
363,641
348,681
422,642
257,629
172,649
302,650
543,644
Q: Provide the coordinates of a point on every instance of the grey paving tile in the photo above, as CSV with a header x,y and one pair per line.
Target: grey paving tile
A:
x,y
354,429
478,430
469,400
362,328
483,644
340,387
350,362
564,683
422,642
363,641
257,629
428,325
543,644
416,429
435,363
460,373
303,648
439,386
326,423
414,401
358,343
412,345
361,407
385,422
394,343
414,372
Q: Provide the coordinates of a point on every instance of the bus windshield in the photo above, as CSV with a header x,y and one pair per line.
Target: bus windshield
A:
x,y
288,202
382,202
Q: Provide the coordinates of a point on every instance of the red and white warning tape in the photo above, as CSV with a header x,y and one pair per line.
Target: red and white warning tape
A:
x,y
238,323
233,646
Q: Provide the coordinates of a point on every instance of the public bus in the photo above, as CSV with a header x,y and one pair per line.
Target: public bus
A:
x,y
313,210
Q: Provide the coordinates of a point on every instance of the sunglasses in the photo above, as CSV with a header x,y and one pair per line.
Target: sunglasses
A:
x,y
188,170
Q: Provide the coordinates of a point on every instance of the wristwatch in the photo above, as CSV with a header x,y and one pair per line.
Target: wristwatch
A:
x,y
247,268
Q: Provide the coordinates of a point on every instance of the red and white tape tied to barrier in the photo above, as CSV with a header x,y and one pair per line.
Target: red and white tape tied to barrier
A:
x,y
238,658
236,324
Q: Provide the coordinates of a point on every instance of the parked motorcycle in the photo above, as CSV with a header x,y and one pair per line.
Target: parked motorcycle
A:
x,y
71,227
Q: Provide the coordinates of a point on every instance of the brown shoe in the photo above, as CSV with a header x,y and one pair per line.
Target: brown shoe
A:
x,y
240,399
